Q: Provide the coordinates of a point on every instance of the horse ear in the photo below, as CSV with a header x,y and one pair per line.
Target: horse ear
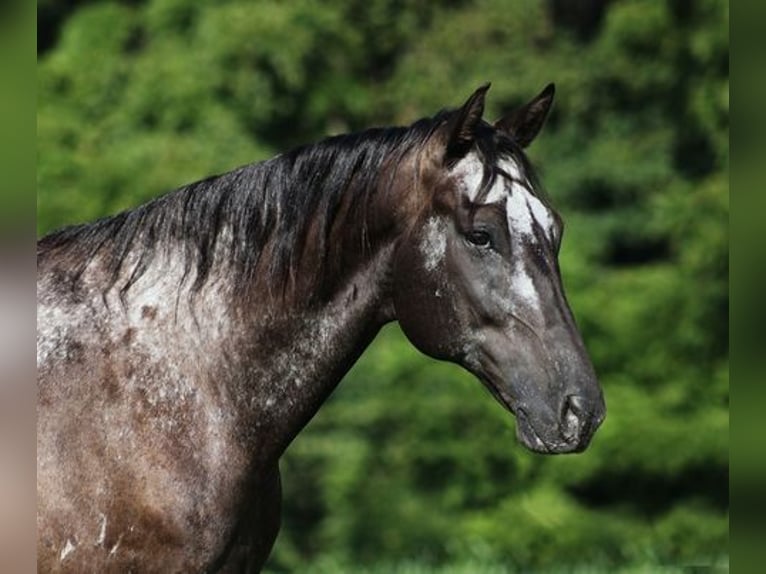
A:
x,y
462,127
525,123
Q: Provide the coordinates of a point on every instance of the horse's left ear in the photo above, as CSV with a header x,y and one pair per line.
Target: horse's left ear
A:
x,y
462,127
525,123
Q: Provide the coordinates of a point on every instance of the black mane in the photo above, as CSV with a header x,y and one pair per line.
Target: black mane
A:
x,y
277,198
274,198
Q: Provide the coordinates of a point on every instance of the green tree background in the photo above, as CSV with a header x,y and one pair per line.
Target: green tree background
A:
x,y
410,466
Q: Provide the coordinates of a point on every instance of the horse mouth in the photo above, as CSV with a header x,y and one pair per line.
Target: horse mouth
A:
x,y
529,437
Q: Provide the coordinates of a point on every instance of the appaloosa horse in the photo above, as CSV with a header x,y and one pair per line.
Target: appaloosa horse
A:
x,y
182,345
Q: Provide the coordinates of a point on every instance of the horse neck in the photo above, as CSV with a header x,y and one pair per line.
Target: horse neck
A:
x,y
295,358
298,348
272,355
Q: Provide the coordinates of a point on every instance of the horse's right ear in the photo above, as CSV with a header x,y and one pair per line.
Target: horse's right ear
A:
x,y
525,123
461,129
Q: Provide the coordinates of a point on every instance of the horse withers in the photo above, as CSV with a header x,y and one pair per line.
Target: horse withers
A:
x,y
183,344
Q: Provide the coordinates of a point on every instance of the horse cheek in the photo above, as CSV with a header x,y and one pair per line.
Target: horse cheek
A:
x,y
422,303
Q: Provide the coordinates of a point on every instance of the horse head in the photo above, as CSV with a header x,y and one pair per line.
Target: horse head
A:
x,y
477,280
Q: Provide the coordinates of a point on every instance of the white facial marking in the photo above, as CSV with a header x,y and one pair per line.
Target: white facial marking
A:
x,y
499,189
523,285
518,213
434,245
541,214
523,210
469,173
67,549
522,207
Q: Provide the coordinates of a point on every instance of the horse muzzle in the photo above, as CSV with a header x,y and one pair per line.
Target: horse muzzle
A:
x,y
569,430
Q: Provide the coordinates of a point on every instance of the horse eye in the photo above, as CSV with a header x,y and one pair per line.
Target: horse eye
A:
x,y
479,238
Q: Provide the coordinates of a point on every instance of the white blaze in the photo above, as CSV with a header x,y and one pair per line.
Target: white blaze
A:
x,y
523,208
518,213
523,212
470,172
523,285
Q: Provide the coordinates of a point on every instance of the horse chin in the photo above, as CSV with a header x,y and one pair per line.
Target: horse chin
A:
x,y
531,439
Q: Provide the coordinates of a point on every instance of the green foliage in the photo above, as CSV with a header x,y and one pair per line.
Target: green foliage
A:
x,y
411,467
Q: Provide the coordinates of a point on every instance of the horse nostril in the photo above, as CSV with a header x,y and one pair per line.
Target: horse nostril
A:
x,y
572,412
576,404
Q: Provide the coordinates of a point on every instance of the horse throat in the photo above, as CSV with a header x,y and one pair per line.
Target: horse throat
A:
x,y
296,358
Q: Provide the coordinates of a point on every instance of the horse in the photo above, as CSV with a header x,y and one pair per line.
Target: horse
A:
x,y
182,345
